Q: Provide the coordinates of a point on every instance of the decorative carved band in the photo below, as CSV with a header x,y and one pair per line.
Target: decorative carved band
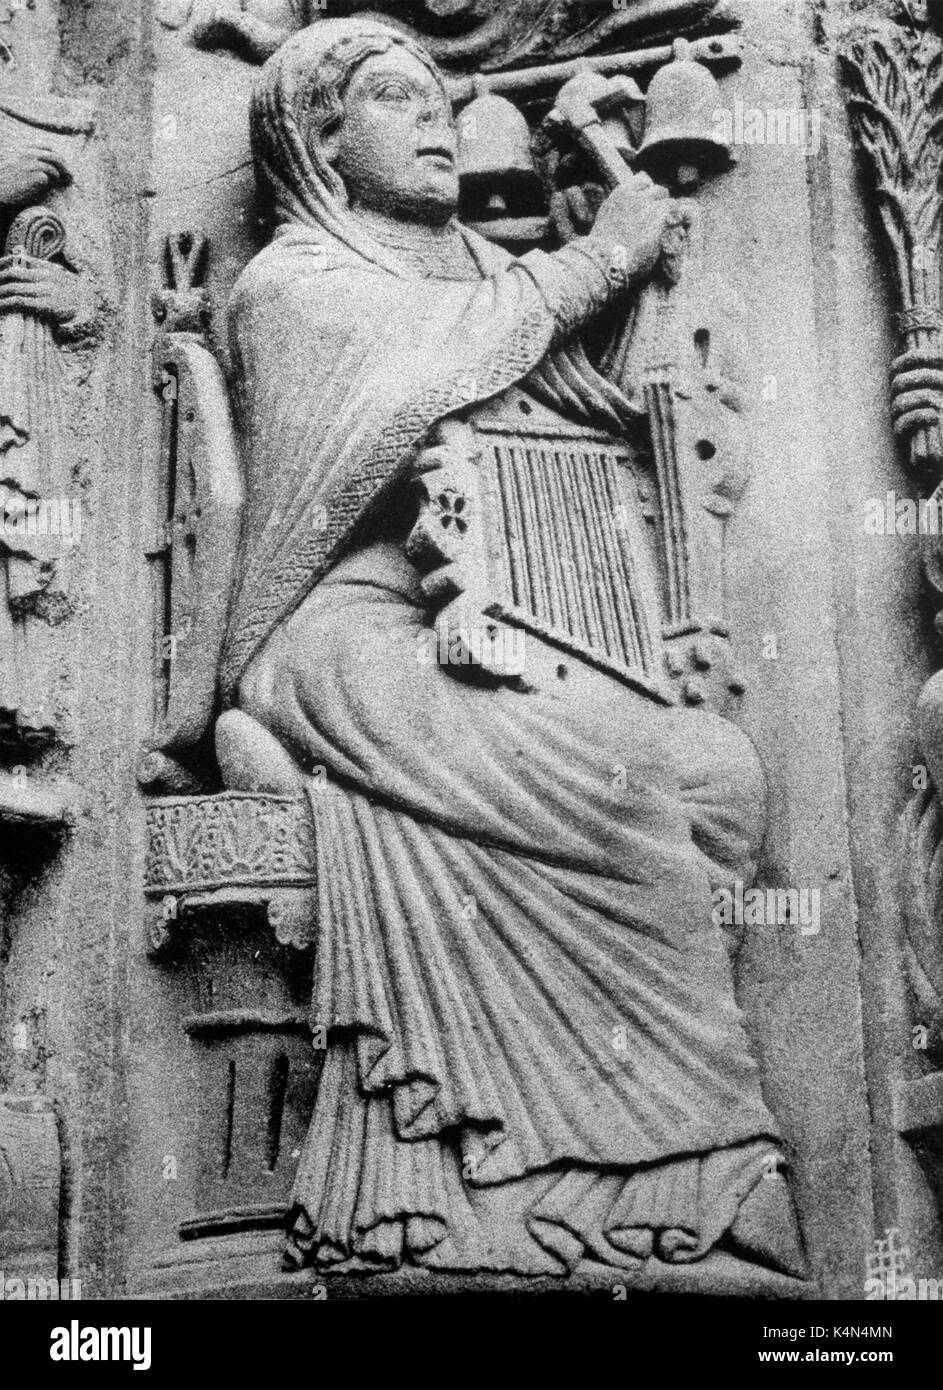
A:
x,y
197,844
912,320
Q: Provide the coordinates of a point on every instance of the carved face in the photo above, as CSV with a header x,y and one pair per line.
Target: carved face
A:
x,y
396,148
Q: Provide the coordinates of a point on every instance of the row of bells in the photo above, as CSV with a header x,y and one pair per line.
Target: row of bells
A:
x,y
680,115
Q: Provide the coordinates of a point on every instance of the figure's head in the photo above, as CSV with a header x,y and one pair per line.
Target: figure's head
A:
x,y
371,111
391,137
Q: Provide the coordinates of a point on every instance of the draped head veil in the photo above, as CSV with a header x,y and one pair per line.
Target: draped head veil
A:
x,y
344,358
299,94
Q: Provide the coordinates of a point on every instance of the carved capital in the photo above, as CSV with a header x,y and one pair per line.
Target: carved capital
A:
x,y
228,852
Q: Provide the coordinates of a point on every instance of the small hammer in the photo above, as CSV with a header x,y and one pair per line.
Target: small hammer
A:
x,y
581,106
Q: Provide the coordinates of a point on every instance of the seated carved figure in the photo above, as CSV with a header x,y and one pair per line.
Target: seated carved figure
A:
x,y
535,1056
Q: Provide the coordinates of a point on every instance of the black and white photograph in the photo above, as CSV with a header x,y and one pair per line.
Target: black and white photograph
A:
x,y
471,674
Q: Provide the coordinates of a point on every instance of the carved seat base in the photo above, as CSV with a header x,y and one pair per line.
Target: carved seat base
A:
x,y
236,849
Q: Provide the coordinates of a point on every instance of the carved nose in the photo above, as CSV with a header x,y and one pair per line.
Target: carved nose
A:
x,y
433,116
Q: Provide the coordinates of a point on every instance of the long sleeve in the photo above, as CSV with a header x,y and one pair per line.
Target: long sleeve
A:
x,y
576,283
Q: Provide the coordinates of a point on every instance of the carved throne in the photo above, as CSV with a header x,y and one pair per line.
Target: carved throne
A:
x,y
249,842
230,875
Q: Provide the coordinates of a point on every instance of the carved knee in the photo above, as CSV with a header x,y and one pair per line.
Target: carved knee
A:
x,y
251,759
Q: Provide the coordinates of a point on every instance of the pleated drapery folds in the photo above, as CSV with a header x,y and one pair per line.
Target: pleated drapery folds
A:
x,y
534,1051
535,1055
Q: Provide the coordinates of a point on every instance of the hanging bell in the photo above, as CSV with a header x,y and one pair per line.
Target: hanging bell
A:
x,y
685,129
496,164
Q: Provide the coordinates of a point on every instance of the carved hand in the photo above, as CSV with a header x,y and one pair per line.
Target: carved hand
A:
x,y
917,390
26,176
635,220
50,291
573,209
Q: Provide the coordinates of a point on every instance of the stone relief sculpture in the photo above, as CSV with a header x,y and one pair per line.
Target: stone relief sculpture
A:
x,y
54,305
52,313
476,34
894,75
29,1186
407,544
523,467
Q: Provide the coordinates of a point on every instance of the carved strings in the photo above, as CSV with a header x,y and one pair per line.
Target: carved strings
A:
x,y
569,564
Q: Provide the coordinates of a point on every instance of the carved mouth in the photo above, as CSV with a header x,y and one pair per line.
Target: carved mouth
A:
x,y
440,152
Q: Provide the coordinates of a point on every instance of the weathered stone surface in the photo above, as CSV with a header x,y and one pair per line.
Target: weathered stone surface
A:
x,y
468,807
29,1188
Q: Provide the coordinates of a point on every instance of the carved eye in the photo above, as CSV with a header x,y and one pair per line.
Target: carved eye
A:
x,y
395,92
